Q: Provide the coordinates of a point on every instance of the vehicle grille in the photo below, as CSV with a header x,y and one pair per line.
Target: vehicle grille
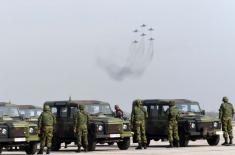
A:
x,y
205,126
17,132
114,128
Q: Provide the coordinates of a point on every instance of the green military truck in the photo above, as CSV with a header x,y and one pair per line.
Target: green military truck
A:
x,y
193,123
103,126
16,132
30,112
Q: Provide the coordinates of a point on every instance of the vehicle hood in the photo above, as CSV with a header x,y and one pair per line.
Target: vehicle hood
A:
x,y
106,119
197,117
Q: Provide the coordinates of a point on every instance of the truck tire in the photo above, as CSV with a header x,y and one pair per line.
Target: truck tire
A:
x,y
125,144
92,145
1,148
213,140
56,145
184,141
31,148
148,141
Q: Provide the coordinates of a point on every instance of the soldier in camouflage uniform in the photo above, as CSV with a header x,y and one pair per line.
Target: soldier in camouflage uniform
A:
x,y
80,128
173,116
46,123
138,117
226,113
118,112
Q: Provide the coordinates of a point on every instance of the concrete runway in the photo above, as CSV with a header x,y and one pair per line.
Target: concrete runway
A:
x,y
156,148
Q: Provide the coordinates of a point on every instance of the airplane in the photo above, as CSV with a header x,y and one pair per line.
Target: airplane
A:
x,y
135,41
151,29
143,34
136,30
143,25
151,39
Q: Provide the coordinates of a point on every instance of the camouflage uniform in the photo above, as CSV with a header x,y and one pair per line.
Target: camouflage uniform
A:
x,y
226,113
118,112
138,117
173,116
80,128
46,123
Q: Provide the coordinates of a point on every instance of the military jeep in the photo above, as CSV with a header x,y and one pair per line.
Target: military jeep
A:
x,y
193,123
16,132
103,126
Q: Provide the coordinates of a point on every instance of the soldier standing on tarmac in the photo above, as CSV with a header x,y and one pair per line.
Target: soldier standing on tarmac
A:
x,y
138,117
173,116
226,113
46,123
80,128
118,112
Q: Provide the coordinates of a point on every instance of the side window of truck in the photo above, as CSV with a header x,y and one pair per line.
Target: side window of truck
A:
x,y
153,111
162,111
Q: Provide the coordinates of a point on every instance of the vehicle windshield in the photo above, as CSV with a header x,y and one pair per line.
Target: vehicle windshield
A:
x,y
9,111
98,108
189,107
30,112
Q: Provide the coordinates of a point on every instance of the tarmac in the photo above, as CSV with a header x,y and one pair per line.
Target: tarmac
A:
x,y
199,147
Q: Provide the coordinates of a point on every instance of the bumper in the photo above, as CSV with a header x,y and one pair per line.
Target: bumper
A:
x,y
205,133
114,136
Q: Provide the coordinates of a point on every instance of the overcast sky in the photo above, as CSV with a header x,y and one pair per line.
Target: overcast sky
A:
x,y
48,50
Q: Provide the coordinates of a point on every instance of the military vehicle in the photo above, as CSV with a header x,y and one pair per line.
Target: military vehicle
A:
x,y
16,132
103,126
193,123
30,112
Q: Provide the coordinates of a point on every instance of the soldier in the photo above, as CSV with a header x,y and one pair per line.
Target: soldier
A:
x,y
46,123
173,116
138,117
226,113
118,112
80,128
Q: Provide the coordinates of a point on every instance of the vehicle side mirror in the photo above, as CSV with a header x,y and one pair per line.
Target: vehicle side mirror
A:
x,y
203,112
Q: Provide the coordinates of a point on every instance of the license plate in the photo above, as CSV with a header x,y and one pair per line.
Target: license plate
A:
x,y
114,135
219,132
20,139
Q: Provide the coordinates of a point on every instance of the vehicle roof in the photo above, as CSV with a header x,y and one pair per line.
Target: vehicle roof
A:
x,y
28,107
166,101
76,102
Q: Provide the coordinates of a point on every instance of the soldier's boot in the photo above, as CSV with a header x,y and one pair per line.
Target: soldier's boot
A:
x,y
139,147
177,143
145,146
86,148
48,150
40,151
171,144
226,141
79,149
230,140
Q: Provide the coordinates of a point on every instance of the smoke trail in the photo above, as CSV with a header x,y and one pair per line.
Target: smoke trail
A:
x,y
136,62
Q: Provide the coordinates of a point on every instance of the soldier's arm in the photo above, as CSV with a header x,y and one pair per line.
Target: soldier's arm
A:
x,y
220,112
54,120
40,122
232,110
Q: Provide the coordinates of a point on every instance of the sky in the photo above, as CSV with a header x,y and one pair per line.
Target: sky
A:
x,y
48,50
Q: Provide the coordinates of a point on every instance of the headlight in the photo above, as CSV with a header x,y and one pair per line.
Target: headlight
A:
x,y
124,127
192,125
31,130
3,131
215,124
100,128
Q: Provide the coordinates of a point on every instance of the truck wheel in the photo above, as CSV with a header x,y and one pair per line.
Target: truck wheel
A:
x,y
184,141
213,140
125,144
92,145
110,143
31,148
56,145
1,149
148,141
